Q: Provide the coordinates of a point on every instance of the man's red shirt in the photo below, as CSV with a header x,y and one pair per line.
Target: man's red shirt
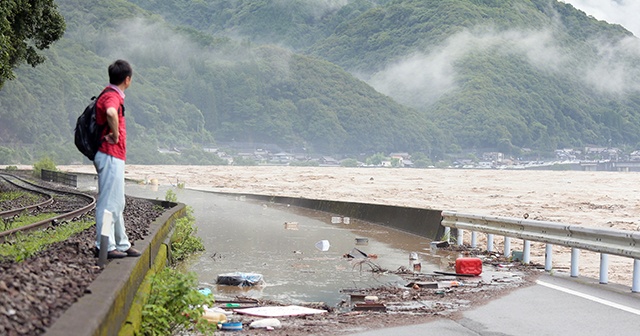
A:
x,y
113,99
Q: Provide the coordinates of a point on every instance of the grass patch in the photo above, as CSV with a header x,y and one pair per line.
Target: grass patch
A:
x,y
22,246
24,220
21,195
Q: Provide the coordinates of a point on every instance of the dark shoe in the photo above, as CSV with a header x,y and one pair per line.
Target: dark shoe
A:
x,y
131,252
115,254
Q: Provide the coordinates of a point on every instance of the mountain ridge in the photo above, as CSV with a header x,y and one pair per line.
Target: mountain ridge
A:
x,y
450,75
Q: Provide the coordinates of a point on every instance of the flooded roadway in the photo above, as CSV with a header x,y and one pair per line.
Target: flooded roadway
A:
x,y
244,235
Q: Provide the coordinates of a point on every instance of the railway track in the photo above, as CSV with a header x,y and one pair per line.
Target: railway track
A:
x,y
38,285
65,204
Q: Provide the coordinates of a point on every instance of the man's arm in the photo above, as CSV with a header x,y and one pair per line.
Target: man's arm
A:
x,y
112,120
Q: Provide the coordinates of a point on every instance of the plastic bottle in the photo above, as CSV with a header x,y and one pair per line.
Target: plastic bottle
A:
x,y
214,316
455,284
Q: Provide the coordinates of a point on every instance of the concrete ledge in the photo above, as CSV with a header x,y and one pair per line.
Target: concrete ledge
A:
x,y
133,322
421,222
105,309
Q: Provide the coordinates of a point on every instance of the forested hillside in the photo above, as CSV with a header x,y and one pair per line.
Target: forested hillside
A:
x,y
333,77
191,89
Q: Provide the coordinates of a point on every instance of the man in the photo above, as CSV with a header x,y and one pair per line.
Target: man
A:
x,y
110,159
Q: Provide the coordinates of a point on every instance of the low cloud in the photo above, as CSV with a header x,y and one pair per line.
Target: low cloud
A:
x,y
616,69
421,78
155,43
151,41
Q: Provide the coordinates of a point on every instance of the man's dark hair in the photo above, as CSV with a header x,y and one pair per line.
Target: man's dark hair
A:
x,y
119,71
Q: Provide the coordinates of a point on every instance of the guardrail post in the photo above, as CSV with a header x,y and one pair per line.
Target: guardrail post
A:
x,y
526,252
635,287
507,246
460,237
604,241
575,253
548,256
604,268
473,239
490,242
447,233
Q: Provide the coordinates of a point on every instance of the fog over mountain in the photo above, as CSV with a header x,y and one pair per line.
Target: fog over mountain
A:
x,y
420,79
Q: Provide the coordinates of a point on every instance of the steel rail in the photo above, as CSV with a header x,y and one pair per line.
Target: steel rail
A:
x,y
13,212
75,214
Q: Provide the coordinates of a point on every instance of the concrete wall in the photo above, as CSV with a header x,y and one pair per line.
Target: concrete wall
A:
x,y
422,222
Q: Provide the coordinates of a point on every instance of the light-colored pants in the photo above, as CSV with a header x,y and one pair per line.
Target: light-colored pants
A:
x,y
111,197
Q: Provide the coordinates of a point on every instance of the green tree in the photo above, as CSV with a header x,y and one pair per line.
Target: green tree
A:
x,y
376,159
420,160
349,163
26,25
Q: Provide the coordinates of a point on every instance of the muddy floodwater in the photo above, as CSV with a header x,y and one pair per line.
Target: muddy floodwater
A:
x,y
287,245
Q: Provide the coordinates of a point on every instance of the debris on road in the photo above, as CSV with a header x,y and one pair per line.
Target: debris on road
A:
x,y
279,311
240,279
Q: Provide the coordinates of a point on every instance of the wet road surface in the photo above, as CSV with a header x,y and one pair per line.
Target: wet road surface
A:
x,y
243,235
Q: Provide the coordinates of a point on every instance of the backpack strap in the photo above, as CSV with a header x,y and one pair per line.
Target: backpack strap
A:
x,y
108,89
104,128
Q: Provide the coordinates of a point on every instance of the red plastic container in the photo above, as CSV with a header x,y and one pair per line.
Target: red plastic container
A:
x,y
469,266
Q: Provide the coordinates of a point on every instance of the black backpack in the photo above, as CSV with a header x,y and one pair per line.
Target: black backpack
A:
x,y
88,134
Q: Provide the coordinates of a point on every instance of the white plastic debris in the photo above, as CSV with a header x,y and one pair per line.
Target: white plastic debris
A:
x,y
265,323
323,245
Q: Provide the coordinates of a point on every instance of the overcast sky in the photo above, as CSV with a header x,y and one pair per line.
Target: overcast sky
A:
x,y
623,12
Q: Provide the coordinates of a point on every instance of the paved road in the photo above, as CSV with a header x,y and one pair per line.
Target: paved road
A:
x,y
556,305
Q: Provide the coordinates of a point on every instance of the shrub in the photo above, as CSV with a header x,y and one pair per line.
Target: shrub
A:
x,y
175,305
170,196
46,163
183,241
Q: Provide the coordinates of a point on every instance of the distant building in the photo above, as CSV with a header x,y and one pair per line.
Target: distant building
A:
x,y
493,156
328,161
282,157
169,151
566,154
402,155
594,150
400,159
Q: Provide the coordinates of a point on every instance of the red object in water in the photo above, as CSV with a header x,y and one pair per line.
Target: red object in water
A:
x,y
469,266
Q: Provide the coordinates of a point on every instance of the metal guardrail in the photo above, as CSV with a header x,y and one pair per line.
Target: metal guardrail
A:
x,y
605,241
